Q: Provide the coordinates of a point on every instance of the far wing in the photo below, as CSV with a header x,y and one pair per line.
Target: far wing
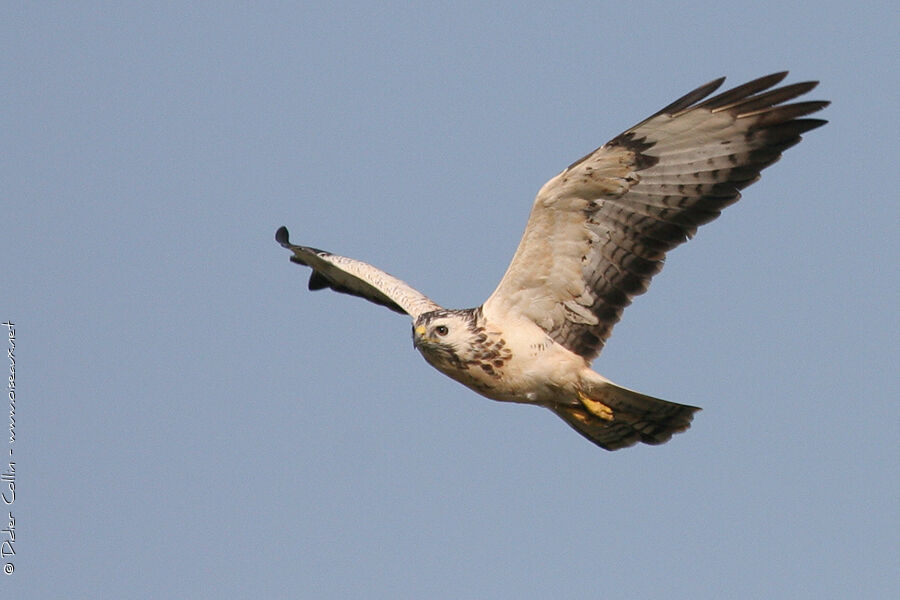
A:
x,y
600,230
355,277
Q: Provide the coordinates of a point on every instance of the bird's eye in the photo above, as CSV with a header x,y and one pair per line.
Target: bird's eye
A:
x,y
441,330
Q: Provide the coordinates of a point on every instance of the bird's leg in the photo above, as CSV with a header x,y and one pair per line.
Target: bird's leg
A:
x,y
596,408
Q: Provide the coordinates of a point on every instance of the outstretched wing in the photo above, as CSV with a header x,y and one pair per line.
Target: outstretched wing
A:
x,y
600,230
355,277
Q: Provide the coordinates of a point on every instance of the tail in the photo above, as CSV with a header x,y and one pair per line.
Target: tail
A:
x,y
614,417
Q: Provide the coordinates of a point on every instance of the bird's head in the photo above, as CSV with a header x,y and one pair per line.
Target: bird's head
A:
x,y
444,337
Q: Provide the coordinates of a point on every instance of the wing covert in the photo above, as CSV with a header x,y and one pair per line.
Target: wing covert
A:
x,y
599,231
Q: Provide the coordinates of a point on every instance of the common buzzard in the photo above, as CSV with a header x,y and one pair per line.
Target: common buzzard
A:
x,y
598,232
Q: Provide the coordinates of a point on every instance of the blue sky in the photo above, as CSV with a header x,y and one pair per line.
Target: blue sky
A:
x,y
192,422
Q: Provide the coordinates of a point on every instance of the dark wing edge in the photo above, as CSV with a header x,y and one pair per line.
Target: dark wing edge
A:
x,y
356,278
685,177
600,230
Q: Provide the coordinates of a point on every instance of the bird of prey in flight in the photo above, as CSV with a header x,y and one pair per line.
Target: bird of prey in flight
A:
x,y
598,232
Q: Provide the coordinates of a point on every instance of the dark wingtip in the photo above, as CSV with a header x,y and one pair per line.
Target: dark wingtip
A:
x,y
317,281
805,125
282,236
692,97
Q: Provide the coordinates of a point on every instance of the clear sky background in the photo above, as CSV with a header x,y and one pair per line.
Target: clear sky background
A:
x,y
191,422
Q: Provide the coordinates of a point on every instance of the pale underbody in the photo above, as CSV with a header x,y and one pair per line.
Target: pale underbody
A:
x,y
531,369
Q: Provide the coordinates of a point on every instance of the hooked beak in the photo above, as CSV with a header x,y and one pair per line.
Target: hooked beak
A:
x,y
418,336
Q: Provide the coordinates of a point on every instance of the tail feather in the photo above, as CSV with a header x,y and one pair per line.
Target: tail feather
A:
x,y
614,417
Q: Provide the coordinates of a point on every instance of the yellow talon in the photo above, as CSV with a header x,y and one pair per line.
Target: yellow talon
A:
x,y
597,408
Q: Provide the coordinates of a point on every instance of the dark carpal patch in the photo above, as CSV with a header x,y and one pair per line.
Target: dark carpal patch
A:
x,y
638,147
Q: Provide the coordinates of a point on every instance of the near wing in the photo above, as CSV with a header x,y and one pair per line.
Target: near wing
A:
x,y
355,277
600,230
